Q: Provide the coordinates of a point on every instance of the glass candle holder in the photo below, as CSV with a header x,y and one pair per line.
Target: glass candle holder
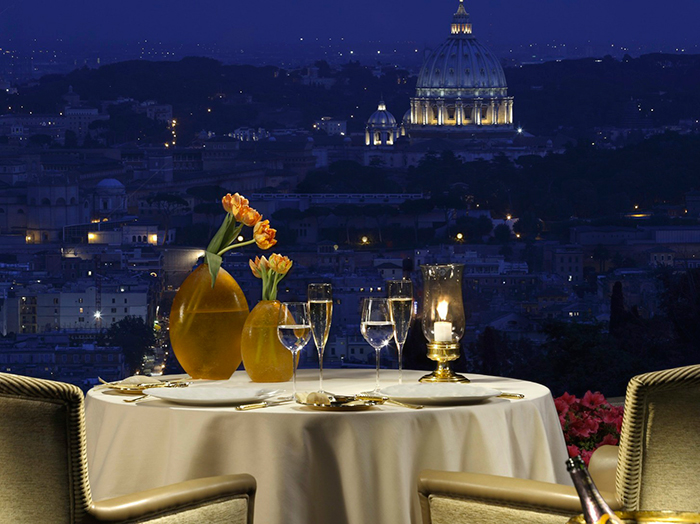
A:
x,y
443,318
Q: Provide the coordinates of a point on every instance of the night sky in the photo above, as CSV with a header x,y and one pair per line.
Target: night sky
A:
x,y
423,21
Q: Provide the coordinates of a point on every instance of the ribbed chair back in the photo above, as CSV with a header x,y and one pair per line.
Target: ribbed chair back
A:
x,y
659,458
43,466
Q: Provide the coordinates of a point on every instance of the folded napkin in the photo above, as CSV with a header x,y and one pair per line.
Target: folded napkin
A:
x,y
315,397
138,379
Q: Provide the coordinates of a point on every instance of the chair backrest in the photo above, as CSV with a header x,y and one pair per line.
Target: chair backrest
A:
x,y
659,462
43,465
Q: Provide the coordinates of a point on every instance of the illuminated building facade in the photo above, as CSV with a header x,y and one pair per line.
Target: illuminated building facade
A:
x,y
381,128
461,90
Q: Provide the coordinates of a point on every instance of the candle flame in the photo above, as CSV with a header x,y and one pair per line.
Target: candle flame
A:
x,y
442,309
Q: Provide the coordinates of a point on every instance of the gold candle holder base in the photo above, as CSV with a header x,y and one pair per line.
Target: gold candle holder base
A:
x,y
443,354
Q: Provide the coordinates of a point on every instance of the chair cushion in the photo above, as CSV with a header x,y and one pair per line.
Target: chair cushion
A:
x,y
233,511
670,467
447,510
34,464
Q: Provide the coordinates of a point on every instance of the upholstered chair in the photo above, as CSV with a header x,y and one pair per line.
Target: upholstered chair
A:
x,y
44,477
655,467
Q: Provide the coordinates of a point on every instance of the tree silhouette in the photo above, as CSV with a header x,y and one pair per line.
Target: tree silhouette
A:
x,y
135,337
167,204
416,208
617,307
502,234
601,254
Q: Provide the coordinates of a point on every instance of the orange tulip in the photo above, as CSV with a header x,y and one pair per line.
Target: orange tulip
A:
x,y
234,203
259,266
280,264
264,235
248,216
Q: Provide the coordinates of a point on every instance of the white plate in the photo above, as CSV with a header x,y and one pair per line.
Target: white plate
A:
x,y
439,393
211,395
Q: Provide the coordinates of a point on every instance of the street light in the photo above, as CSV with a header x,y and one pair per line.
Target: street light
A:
x,y
98,315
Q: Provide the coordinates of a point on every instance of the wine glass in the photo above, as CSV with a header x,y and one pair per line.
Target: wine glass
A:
x,y
320,300
401,308
376,326
294,331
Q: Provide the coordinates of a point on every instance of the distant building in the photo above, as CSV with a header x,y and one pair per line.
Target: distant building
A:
x,y
78,120
332,126
62,358
19,127
461,104
381,129
461,88
661,256
567,262
86,305
156,111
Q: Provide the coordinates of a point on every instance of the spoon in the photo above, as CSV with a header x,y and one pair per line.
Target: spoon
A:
x,y
136,399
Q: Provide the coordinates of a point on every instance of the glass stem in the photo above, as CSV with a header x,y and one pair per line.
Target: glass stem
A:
x,y
376,387
320,368
294,373
400,349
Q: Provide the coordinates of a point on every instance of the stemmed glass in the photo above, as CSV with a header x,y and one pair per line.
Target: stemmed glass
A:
x,y
401,308
376,326
294,331
320,300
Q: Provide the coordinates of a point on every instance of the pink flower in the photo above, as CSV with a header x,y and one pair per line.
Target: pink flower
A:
x,y
609,416
584,427
609,440
586,456
593,400
563,403
562,420
588,423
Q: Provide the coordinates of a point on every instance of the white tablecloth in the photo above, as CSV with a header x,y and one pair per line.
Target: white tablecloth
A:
x,y
320,466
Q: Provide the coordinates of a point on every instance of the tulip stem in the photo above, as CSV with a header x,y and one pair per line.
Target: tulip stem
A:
x,y
232,246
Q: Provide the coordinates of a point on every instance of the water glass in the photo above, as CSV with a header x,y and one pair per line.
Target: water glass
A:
x,y
376,326
294,331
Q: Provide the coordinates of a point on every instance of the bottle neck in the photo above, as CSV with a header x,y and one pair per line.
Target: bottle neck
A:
x,y
593,505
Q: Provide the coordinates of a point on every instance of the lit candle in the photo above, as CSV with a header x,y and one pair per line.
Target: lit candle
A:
x,y
443,328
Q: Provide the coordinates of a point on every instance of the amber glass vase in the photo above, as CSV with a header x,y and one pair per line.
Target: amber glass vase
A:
x,y
264,357
206,324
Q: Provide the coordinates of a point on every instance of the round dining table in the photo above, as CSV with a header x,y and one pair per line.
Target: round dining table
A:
x,y
322,466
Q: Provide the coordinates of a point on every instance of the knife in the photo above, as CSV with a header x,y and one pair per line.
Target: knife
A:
x,y
511,395
263,404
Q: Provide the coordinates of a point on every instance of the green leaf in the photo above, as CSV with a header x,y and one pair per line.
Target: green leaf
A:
x,y
217,242
214,263
231,233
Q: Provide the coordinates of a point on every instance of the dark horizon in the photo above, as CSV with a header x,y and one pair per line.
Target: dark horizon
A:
x,y
500,22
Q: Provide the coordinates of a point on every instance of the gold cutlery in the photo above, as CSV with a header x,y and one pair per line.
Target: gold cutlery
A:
x,y
263,404
514,396
141,397
383,399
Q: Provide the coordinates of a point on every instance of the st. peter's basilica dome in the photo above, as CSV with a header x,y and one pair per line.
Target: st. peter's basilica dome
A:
x,y
461,88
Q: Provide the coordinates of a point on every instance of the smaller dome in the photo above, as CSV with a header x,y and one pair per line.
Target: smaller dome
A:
x,y
381,117
406,120
110,183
